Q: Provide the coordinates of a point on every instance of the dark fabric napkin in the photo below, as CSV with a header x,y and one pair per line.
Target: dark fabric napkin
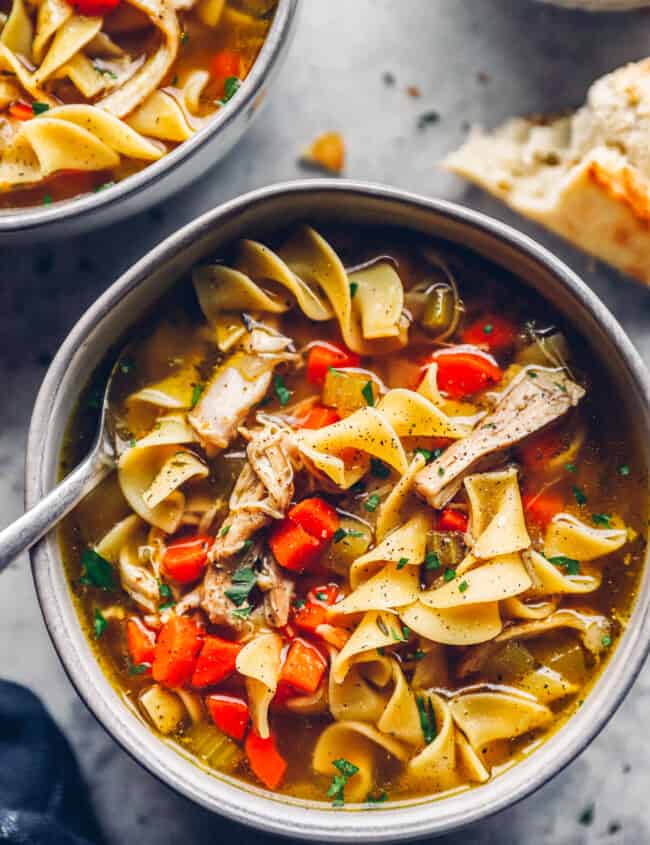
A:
x,y
43,799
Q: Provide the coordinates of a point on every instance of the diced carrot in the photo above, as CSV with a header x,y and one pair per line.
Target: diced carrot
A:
x,y
225,63
322,356
493,332
540,508
316,516
215,662
538,450
185,560
452,519
304,666
314,610
177,648
464,373
333,635
293,547
229,713
318,417
265,760
21,111
283,693
141,642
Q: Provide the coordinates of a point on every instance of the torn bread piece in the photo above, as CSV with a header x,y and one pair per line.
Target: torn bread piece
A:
x,y
585,176
533,400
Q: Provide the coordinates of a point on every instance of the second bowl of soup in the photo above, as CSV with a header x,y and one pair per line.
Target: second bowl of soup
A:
x,y
377,528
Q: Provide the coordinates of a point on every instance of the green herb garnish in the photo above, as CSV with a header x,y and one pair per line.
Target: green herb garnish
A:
x,y
376,799
281,390
230,88
224,530
299,604
242,612
47,199
39,108
432,561
581,499
603,519
342,533
488,328
463,586
99,623
165,593
449,574
624,470
184,37
571,565
368,394
606,640
96,571
339,782
197,392
401,563
427,719
372,502
321,596
137,668
586,817
127,365
570,467
353,289
378,468
243,581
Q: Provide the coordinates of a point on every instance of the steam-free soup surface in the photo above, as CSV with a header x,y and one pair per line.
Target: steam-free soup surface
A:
x,y
378,520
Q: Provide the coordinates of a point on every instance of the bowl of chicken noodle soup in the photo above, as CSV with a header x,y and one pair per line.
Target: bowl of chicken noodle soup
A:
x,y
107,106
372,560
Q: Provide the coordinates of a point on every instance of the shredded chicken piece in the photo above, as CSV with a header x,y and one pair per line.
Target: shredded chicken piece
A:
x,y
236,386
141,585
533,400
278,589
214,600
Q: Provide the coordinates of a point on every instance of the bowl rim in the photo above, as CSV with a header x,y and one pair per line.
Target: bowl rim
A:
x,y
32,218
255,807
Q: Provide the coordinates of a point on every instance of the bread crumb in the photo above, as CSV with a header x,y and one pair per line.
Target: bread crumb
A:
x,y
326,151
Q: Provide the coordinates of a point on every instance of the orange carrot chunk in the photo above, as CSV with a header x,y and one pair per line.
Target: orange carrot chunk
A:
x,y
293,547
21,111
540,508
177,648
185,560
229,713
322,356
265,760
141,642
316,516
493,332
313,612
452,519
318,417
465,373
215,662
304,666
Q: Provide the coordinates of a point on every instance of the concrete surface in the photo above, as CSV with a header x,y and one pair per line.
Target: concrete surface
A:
x,y
474,61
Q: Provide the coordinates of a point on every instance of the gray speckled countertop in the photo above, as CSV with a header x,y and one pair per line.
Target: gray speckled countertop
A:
x,y
474,61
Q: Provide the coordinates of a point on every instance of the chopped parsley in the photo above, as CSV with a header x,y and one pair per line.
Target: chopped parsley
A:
x,y
342,533
104,71
47,199
353,289
339,782
321,596
580,497
174,80
281,390
428,454
184,37
242,612
488,328
441,471
39,108
224,530
372,502
603,519
137,668
230,88
401,563
624,470
376,799
99,623
532,374
570,467
127,365
368,394
432,561
243,581
606,640
246,545
197,392
165,593
463,586
586,817
103,187
427,719
96,571
571,565
378,468
449,574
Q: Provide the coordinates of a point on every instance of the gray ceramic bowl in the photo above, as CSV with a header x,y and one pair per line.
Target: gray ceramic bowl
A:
x,y
102,325
174,171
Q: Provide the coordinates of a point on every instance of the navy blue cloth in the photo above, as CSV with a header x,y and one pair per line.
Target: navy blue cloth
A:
x,y
43,799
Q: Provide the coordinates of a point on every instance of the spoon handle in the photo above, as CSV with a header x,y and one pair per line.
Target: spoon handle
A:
x,y
29,528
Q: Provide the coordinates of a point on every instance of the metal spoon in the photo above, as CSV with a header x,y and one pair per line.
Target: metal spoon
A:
x,y
100,462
